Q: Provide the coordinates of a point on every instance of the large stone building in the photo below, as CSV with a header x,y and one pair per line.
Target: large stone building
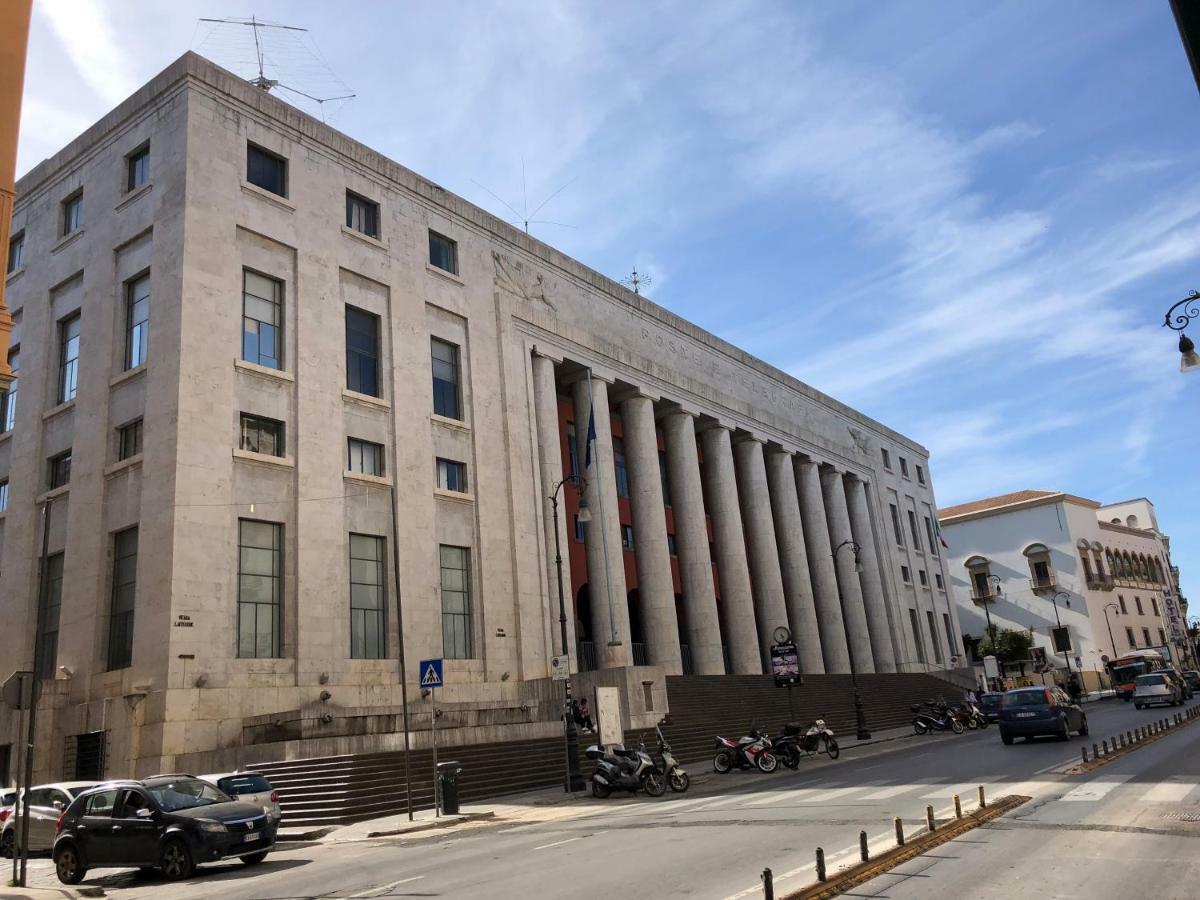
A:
x,y
1107,569
241,335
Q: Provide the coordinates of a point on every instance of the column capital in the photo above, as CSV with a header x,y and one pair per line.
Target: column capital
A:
x,y
746,438
712,425
550,353
597,375
630,392
671,408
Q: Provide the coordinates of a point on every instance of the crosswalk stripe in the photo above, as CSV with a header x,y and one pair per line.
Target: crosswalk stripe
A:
x,y
739,799
798,795
1096,789
1174,790
835,794
889,792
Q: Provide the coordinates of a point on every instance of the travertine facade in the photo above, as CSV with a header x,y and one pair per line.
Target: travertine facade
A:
x,y
765,476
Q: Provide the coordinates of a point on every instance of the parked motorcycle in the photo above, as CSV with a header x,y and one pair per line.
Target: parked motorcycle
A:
x,y
934,717
677,778
625,770
752,751
797,742
970,716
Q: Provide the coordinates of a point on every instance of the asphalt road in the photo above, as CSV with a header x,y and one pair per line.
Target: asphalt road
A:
x,y
710,843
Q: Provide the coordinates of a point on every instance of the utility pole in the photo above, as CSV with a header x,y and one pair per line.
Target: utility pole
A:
x,y
14,41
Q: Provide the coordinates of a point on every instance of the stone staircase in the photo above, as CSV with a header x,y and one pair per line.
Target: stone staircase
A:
x,y
337,790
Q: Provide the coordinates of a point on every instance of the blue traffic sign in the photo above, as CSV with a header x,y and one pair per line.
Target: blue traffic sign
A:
x,y
431,673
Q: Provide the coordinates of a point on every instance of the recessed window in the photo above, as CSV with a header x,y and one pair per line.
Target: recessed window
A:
x,y
937,579
68,358
915,624
137,321
452,476
949,634
887,457
3,494
929,534
50,602
912,526
1129,637
1146,636
1154,605
124,590
896,529
60,470
260,589
906,575
8,399
627,537
72,213
619,467
266,170
1137,601
920,475
456,603
578,529
137,168
129,440
16,252
933,635
368,609
446,395
262,320
924,578
262,435
572,449
443,252
362,351
1121,600
362,214
903,466
1162,636
671,546
366,458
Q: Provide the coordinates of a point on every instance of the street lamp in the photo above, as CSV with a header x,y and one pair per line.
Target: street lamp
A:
x,y
860,716
1177,319
574,781
1067,601
1107,607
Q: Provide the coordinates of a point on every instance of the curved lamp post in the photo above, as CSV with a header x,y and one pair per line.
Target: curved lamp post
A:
x,y
574,780
860,716
1107,607
1067,601
1177,318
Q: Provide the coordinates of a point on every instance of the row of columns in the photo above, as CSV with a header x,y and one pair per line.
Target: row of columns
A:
x,y
776,519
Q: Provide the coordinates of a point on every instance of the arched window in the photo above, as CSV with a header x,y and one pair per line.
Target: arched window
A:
x,y
1112,565
1041,575
1131,521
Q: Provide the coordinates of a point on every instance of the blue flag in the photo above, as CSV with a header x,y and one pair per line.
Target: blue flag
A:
x,y
591,439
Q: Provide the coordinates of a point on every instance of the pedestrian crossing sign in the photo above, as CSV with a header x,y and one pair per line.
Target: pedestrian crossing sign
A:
x,y
431,673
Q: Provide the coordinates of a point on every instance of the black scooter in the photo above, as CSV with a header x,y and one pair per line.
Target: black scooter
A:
x,y
932,717
618,769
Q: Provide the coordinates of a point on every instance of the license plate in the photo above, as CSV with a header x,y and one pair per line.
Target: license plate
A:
x,y
250,837
1026,715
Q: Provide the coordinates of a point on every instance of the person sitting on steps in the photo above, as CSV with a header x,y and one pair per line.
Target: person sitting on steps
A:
x,y
582,715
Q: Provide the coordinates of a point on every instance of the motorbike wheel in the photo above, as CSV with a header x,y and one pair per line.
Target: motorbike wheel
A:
x,y
791,758
983,722
600,791
722,762
655,784
767,762
972,724
920,726
831,747
680,781
956,726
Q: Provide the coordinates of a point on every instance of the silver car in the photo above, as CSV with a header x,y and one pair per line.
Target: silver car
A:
x,y
249,787
46,804
1155,687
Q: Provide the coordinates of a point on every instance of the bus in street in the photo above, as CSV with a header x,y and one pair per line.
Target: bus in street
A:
x,y
1124,671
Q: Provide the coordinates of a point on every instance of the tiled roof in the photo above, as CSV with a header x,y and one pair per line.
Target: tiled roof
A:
x,y
975,506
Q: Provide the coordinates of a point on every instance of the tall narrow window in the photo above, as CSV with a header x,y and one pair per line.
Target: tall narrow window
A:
x,y
365,457
937,578
137,169
619,468
627,537
262,435
933,636
456,603
443,252
266,170
124,589
1137,601
362,214
1154,605
48,613
915,623
262,320
60,470
16,252
887,457
1129,637
920,475
949,629
446,395
572,449
903,466
912,526
452,476
68,358
137,321
664,476
1162,637
1121,600
260,589
72,213
905,575
929,536
362,351
129,439
368,634
924,578
1146,636
3,494
8,399
896,525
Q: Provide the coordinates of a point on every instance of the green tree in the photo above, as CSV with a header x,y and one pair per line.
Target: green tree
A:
x,y
1009,644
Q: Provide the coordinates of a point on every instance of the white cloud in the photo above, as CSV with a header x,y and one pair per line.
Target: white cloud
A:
x,y
85,29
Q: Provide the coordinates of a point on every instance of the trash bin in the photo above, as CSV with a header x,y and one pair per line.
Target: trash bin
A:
x,y
447,779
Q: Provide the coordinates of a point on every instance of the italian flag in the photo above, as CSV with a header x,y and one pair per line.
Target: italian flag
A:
x,y
937,527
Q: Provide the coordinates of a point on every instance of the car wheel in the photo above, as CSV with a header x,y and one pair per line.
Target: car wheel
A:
x,y
1083,727
254,858
1007,738
176,860
1065,734
68,865
1137,705
6,844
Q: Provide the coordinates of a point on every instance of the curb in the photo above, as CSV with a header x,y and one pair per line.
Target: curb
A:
x,y
431,826
287,837
1142,736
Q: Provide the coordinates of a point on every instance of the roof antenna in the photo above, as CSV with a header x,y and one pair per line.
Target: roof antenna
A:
x,y
525,219
635,282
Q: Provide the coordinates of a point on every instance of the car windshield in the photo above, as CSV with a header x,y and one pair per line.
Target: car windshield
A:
x,y
78,789
1025,698
989,700
185,793
236,785
1150,679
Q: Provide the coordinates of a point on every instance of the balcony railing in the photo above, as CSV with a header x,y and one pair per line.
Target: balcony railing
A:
x,y
1040,583
1098,581
980,596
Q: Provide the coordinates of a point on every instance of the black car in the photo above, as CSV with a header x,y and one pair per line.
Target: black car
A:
x,y
1033,711
989,705
168,822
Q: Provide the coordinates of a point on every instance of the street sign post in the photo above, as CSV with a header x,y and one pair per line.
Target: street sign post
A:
x,y
430,672
785,664
560,669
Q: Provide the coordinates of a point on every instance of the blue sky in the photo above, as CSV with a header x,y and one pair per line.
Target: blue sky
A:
x,y
964,218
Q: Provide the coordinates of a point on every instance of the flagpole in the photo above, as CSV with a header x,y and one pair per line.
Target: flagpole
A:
x,y
612,618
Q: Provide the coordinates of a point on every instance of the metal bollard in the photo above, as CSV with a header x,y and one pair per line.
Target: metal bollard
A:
x,y
820,864
768,881
899,832
1120,742
1104,747
958,803
929,819
1095,750
1083,752
982,798
863,852
1129,738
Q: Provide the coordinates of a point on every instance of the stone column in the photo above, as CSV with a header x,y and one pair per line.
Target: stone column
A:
x,y
870,577
733,574
853,611
602,535
691,543
656,589
545,398
793,561
770,609
820,564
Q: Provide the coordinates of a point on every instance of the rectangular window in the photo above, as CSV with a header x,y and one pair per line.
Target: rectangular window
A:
x,y
446,395
949,634
262,435
72,213
68,358
903,466
262,320
920,475
1137,601
906,575
129,440
137,321
579,526
368,596
937,647
48,613
1129,637
937,579
362,352
912,526
1162,637
260,589
929,534
362,214
16,252
915,623
137,169
572,449
3,494
627,537
60,470
8,399
896,525
924,578
619,468
366,458
124,588
1121,600
666,481
456,603
671,546
443,252
1146,636
1154,605
887,457
452,476
266,170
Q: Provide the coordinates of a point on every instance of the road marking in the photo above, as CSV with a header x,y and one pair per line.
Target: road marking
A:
x,y
383,888
835,794
888,793
799,795
1173,790
1096,789
739,798
556,843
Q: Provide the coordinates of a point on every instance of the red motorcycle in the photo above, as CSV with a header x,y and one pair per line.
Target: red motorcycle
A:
x,y
751,752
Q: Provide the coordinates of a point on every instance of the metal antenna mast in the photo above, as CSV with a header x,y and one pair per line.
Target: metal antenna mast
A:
x,y
525,219
635,281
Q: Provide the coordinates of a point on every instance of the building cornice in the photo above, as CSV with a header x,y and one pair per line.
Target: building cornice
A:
x,y
1050,500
